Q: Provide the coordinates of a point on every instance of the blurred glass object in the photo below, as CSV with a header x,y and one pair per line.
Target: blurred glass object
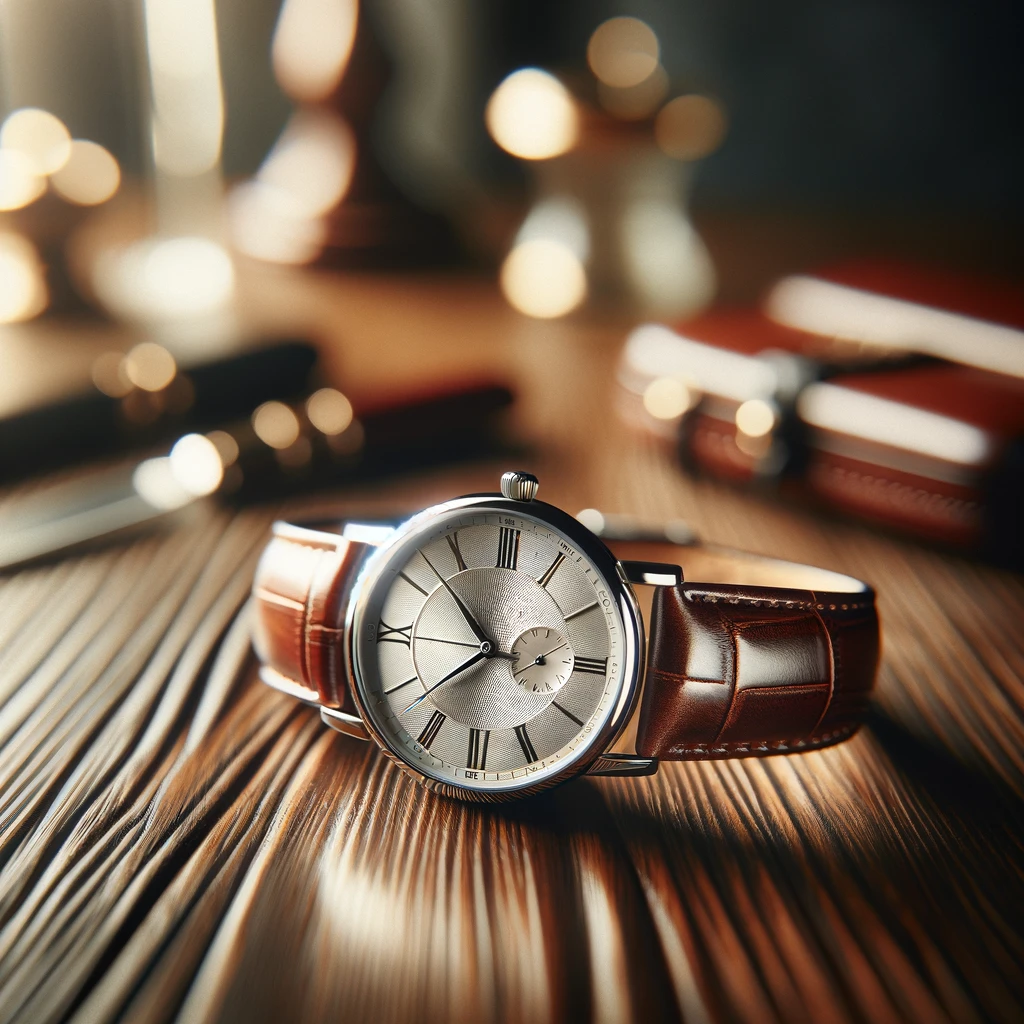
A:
x,y
609,224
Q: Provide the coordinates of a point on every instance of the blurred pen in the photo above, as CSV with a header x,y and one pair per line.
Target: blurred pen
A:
x,y
282,448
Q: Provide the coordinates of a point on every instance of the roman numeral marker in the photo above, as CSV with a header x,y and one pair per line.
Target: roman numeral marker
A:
x,y
400,685
524,741
431,729
394,634
413,583
508,548
598,666
568,714
551,569
581,611
477,758
453,543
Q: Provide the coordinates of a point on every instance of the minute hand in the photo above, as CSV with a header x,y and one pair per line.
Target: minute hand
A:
x,y
466,613
479,656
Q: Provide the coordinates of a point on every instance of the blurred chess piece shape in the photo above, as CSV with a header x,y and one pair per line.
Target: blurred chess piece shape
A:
x,y
613,164
321,193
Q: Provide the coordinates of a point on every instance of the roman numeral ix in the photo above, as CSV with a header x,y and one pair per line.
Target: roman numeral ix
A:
x,y
508,548
431,729
598,666
394,634
551,569
477,757
524,741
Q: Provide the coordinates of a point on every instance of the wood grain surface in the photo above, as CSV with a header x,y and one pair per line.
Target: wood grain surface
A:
x,y
178,842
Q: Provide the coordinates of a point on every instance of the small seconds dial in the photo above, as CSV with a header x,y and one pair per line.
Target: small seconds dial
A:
x,y
490,650
544,660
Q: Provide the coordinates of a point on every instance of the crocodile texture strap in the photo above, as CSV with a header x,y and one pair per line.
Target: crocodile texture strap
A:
x,y
774,659
300,593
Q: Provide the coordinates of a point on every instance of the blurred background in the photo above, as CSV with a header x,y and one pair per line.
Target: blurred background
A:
x,y
800,223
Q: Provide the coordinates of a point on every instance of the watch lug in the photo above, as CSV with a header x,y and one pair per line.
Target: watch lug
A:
x,y
623,764
350,725
654,574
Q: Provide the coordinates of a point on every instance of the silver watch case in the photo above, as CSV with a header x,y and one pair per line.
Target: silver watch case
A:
x,y
605,563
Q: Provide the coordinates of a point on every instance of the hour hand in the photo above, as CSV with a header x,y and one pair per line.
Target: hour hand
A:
x,y
466,613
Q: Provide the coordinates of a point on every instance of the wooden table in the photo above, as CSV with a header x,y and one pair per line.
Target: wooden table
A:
x,y
179,842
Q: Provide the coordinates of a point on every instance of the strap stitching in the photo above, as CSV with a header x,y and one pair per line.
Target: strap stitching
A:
x,y
781,747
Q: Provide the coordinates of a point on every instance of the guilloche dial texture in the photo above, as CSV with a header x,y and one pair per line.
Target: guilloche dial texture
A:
x,y
490,650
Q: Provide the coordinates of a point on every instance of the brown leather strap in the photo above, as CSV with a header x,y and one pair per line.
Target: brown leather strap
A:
x,y
751,666
301,592
773,657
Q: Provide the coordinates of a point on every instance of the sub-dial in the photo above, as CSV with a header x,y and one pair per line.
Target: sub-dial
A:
x,y
543,660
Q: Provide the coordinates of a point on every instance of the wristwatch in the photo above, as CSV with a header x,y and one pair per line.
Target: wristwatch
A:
x,y
493,646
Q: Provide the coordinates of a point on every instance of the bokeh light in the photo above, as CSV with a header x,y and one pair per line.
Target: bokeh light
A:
x,y
622,52
690,127
19,183
23,291
329,411
311,47
226,445
636,101
38,135
89,177
110,374
532,115
276,425
543,278
667,398
755,418
150,366
196,464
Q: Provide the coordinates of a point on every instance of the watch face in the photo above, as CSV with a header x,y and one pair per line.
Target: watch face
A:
x,y
495,649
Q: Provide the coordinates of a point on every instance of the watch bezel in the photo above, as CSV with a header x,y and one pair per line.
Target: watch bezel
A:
x,y
604,562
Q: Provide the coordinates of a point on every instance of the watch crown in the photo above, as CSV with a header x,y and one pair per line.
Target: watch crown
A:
x,y
519,486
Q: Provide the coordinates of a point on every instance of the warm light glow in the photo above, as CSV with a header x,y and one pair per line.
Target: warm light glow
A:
x,y
19,183
543,278
637,101
532,115
836,311
196,464
110,374
312,43
329,411
184,65
38,135
622,52
755,418
186,277
276,425
690,127
226,445
312,162
90,176
667,398
23,292
150,366
870,418
269,224
277,216
154,481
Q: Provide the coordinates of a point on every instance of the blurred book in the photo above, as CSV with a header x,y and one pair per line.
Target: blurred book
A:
x,y
879,428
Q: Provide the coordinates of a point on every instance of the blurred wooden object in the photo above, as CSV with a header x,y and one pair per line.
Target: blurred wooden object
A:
x,y
178,842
